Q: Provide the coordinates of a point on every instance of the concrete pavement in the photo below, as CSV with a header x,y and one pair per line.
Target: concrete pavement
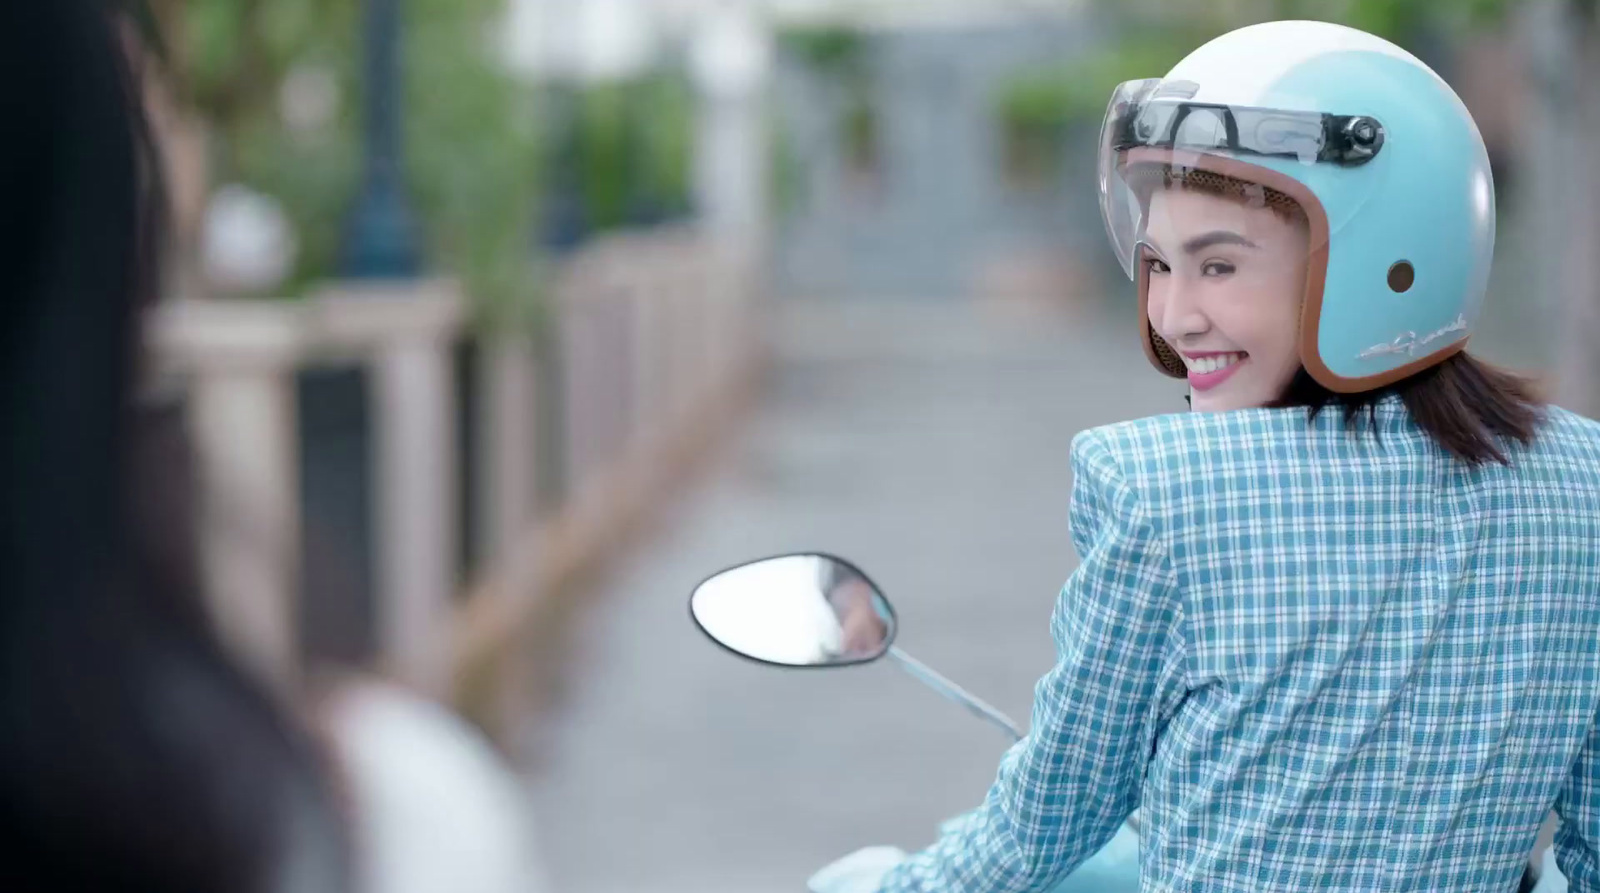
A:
x,y
930,445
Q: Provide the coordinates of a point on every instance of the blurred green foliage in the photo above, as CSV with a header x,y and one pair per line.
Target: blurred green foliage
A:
x,y
227,61
786,174
480,147
470,136
1045,99
630,145
832,50
666,112
472,153
841,57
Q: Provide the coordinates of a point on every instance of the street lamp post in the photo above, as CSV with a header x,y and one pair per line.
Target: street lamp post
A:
x,y
381,242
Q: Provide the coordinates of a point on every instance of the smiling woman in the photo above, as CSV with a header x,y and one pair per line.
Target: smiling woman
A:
x,y
1269,237
1228,270
1222,272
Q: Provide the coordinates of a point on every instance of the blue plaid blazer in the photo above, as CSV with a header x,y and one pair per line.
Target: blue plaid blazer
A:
x,y
1316,658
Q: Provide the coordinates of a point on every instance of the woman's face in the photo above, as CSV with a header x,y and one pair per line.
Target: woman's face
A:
x,y
1225,286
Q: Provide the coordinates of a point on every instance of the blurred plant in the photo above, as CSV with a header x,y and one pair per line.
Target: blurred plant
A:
x,y
226,61
472,155
861,134
830,50
841,56
630,146
1037,107
666,111
786,170
277,82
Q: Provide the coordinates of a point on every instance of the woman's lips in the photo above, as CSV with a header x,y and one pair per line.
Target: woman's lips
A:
x,y
1205,381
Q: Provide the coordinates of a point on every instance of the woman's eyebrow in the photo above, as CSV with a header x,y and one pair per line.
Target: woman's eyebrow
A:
x,y
1215,237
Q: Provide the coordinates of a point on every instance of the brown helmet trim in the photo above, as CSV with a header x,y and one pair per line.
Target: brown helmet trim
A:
x,y
1316,276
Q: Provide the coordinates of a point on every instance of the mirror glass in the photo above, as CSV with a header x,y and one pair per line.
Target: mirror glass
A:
x,y
796,611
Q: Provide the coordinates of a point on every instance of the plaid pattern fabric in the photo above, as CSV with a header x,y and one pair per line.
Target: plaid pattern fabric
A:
x,y
1316,659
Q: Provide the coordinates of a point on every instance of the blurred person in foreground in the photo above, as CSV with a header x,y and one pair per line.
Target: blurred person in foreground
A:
x,y
1336,628
135,755
432,806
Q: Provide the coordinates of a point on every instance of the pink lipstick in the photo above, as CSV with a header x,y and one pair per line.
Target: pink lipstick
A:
x,y
1205,381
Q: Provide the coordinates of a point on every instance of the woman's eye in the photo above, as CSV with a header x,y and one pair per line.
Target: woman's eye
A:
x,y
1217,268
1156,265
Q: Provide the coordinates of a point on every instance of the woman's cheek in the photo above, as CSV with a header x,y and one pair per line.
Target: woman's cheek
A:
x,y
1154,304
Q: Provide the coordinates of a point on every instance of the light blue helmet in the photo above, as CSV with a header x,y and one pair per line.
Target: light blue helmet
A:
x,y
1373,145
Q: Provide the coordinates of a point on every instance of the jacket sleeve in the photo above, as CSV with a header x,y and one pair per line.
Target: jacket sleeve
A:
x,y
1062,792
1578,839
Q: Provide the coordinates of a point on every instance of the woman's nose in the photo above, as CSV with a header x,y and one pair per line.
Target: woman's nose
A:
x,y
1179,316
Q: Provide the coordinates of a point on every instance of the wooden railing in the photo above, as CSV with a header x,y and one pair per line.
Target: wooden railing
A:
x,y
654,347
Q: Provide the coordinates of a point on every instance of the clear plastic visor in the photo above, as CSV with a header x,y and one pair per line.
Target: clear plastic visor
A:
x,y
1156,121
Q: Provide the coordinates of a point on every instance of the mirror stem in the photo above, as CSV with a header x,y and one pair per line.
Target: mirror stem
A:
x,y
955,692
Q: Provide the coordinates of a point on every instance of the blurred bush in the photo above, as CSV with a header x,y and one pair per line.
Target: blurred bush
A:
x,y
278,85
630,148
839,58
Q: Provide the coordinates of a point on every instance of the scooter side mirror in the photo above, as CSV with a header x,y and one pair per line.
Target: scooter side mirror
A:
x,y
813,610
798,610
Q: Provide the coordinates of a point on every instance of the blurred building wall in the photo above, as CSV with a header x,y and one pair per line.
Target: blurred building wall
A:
x,y
938,203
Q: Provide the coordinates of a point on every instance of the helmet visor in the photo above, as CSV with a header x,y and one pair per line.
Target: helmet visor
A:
x,y
1158,114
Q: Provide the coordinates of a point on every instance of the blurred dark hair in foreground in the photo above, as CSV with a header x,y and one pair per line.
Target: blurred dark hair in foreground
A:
x,y
133,755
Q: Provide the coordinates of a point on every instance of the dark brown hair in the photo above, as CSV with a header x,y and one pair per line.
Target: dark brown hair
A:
x,y
1470,408
135,755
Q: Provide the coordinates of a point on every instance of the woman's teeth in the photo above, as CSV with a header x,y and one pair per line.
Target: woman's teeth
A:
x,y
1204,365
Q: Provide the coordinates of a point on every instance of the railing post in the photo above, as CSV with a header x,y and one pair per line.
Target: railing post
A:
x,y
509,414
416,505
408,336
238,362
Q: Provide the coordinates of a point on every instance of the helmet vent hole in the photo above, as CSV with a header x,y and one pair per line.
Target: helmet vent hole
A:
x,y
1402,276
